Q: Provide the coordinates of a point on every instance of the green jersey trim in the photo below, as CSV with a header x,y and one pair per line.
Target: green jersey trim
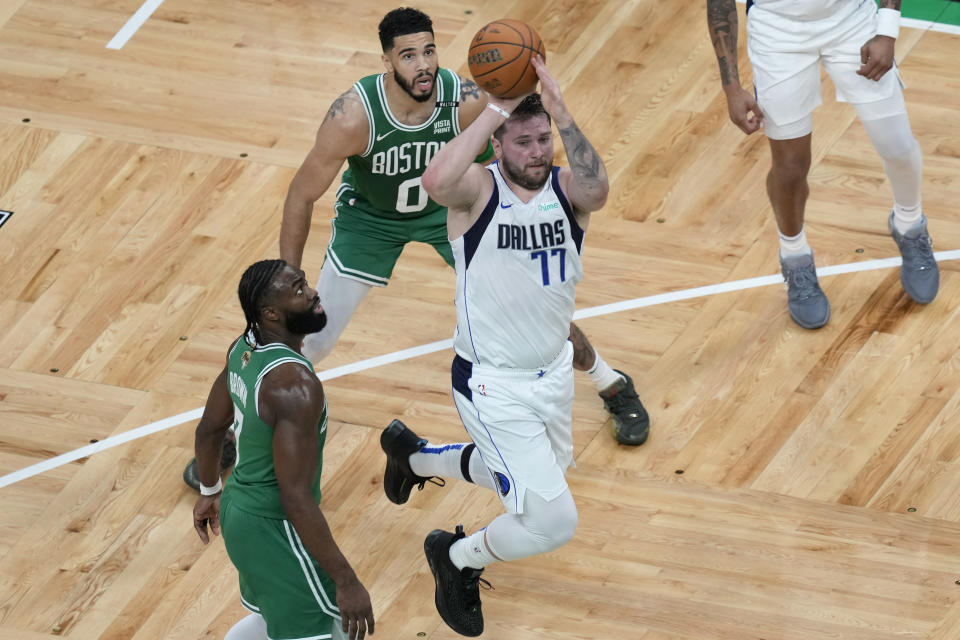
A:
x,y
310,572
365,99
382,94
354,274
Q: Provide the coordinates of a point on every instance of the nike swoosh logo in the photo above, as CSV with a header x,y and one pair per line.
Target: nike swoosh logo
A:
x,y
381,137
504,205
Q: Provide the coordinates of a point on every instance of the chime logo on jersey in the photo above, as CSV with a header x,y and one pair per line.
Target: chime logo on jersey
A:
x,y
526,237
404,158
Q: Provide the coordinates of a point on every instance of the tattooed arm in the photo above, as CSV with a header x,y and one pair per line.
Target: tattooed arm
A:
x,y
344,132
585,182
723,25
876,56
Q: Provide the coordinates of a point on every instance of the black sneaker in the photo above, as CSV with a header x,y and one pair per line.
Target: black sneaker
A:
x,y
228,455
399,442
457,593
631,424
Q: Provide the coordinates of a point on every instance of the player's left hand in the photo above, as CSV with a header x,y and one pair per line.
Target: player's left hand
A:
x,y
549,90
876,57
207,511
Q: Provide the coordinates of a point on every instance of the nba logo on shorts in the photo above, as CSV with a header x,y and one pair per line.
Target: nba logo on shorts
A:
x,y
503,484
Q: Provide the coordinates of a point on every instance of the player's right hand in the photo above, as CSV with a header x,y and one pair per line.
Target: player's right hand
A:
x,y
744,110
356,612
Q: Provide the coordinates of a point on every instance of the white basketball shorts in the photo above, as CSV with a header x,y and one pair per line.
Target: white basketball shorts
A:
x,y
520,420
785,53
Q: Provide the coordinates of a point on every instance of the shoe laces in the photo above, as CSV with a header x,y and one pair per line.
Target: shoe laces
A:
x,y
625,399
803,281
918,251
440,482
472,581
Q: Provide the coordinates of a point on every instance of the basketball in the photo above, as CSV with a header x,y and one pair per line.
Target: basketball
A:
x,y
500,58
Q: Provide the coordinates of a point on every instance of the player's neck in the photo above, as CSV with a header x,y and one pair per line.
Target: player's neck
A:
x,y
403,107
291,340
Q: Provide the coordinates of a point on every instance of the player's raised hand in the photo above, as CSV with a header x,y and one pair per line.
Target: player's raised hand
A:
x,y
549,89
876,57
743,108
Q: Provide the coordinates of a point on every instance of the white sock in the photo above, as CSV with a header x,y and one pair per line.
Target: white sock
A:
x,y
906,217
602,375
446,461
472,551
253,627
794,245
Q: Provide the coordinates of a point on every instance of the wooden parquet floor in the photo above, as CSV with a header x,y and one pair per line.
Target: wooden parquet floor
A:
x,y
796,485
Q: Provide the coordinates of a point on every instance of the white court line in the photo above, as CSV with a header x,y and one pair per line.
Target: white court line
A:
x,y
440,345
135,22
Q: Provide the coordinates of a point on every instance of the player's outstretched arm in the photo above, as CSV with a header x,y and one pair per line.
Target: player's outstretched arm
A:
x,y
723,25
291,401
586,184
208,439
343,133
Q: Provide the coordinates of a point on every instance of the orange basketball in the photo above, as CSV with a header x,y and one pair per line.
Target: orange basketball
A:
x,y
500,58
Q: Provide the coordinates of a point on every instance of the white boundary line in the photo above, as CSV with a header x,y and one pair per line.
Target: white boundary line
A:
x,y
133,24
440,345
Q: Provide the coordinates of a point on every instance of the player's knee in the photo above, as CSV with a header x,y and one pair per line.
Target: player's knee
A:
x,y
552,523
791,169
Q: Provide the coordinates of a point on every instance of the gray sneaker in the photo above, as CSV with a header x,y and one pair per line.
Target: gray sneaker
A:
x,y
806,301
919,273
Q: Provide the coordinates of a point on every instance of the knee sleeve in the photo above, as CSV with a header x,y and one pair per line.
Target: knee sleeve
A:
x,y
340,297
543,526
901,154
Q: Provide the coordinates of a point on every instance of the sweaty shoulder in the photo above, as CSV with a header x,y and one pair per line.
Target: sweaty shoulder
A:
x,y
472,101
346,122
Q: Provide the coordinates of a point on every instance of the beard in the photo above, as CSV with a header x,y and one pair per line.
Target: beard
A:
x,y
306,322
526,181
408,86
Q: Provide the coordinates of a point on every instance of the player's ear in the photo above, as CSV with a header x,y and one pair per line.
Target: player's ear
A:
x,y
497,148
387,64
269,312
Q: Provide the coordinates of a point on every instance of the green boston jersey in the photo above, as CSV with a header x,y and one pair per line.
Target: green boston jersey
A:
x,y
252,486
385,179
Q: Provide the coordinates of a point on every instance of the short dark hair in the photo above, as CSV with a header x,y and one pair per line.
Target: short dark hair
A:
x,y
529,107
402,22
254,290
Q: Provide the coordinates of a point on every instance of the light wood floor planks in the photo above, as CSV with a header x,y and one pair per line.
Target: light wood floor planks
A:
x,y
796,485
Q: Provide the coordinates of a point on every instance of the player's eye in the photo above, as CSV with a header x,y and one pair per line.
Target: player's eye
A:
x,y
299,291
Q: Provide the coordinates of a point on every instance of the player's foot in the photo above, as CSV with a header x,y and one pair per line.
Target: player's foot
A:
x,y
919,273
457,593
806,301
631,423
228,455
399,442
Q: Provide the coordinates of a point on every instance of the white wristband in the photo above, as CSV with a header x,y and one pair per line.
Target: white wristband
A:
x,y
503,112
209,491
888,23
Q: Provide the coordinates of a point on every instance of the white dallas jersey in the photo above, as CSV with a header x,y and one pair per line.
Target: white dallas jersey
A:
x,y
807,9
517,271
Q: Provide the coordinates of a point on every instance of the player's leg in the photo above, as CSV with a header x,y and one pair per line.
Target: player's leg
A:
x,y
883,112
887,124
784,56
340,296
253,627
630,420
279,580
511,419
